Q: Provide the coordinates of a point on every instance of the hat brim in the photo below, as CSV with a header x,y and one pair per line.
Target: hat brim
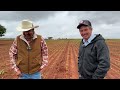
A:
x,y
78,27
21,29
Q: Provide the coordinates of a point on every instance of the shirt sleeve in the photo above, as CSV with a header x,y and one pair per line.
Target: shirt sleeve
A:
x,y
13,56
44,50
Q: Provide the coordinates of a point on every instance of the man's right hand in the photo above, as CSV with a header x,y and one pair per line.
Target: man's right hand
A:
x,y
18,73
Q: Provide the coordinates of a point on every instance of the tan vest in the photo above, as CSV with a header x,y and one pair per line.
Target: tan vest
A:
x,y
29,61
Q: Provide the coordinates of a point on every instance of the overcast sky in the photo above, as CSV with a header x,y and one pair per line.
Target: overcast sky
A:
x,y
62,24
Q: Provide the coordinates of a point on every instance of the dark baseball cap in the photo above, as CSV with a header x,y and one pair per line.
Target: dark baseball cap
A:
x,y
84,23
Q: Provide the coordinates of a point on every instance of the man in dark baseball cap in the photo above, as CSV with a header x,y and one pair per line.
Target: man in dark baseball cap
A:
x,y
93,58
84,23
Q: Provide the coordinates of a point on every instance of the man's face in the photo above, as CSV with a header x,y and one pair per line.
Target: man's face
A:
x,y
28,34
85,32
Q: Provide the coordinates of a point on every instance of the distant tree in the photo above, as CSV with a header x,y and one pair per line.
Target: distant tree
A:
x,y
50,37
2,30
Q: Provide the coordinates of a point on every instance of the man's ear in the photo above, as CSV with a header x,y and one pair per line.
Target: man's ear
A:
x,y
90,27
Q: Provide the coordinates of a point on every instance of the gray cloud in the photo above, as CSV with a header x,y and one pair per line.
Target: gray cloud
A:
x,y
62,24
20,15
98,17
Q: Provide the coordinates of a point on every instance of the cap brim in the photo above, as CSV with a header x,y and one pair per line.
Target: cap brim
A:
x,y
78,27
21,29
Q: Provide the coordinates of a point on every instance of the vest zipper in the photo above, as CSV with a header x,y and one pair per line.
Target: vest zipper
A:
x,y
29,48
28,61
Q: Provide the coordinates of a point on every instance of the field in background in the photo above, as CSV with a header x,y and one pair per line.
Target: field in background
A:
x,y
62,60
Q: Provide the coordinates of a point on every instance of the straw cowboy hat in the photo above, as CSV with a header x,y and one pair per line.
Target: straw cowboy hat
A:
x,y
26,25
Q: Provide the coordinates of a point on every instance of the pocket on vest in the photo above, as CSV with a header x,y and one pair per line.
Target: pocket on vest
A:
x,y
38,60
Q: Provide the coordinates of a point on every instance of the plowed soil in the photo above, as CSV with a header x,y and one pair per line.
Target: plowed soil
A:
x,y
63,60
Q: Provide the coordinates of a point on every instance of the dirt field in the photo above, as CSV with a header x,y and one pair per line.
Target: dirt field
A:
x,y
63,62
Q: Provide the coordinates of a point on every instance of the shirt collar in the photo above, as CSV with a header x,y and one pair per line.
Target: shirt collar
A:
x,y
90,39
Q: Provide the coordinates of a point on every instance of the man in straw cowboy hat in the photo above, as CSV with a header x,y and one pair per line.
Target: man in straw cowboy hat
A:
x,y
29,52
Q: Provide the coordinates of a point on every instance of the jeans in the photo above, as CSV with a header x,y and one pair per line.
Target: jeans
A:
x,y
36,75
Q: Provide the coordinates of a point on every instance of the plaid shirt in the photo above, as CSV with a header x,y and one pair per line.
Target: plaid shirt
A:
x,y
13,53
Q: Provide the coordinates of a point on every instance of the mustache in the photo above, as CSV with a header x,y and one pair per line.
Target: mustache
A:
x,y
28,36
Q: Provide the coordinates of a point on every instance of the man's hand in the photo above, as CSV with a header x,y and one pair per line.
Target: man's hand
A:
x,y
40,69
18,73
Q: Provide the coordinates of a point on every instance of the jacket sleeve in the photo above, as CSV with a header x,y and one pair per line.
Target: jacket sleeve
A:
x,y
103,59
13,56
44,53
